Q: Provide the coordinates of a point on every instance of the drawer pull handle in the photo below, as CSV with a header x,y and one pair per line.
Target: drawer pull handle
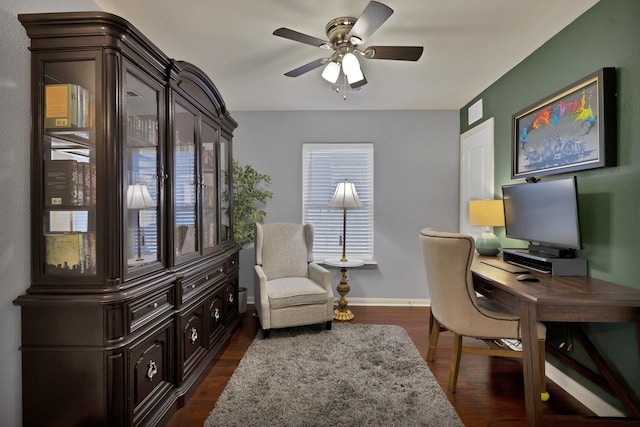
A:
x,y
221,270
192,286
194,335
231,299
153,305
152,369
233,262
216,314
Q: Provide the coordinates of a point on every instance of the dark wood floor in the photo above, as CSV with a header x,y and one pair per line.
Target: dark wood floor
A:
x,y
489,392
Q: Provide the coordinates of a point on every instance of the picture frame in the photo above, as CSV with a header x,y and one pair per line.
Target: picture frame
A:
x,y
573,129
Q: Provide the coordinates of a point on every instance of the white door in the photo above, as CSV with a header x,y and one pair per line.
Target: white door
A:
x,y
476,171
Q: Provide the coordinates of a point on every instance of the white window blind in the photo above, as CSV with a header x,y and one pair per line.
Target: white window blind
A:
x,y
323,167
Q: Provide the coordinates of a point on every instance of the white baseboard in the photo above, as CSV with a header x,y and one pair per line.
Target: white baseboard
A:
x,y
390,302
589,399
381,302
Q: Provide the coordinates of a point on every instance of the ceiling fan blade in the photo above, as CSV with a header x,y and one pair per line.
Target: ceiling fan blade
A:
x,y
372,17
307,67
300,37
400,53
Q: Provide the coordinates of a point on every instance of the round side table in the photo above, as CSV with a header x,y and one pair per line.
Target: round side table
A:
x,y
342,312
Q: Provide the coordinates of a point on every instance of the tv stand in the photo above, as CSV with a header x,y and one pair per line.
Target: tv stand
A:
x,y
544,251
544,263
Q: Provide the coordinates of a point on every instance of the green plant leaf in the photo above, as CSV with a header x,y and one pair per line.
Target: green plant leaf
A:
x,y
248,199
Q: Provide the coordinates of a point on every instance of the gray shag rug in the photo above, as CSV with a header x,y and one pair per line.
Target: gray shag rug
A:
x,y
353,375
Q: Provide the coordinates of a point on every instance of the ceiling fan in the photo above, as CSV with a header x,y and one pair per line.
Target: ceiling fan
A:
x,y
346,35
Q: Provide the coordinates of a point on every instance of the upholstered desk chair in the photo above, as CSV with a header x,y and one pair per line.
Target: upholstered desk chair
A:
x,y
290,289
456,308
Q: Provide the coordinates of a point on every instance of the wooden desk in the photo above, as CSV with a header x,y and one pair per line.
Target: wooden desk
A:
x,y
555,299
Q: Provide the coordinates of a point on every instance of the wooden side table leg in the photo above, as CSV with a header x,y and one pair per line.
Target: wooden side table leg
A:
x,y
342,312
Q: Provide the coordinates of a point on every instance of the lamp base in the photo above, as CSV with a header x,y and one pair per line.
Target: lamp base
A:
x,y
342,312
488,244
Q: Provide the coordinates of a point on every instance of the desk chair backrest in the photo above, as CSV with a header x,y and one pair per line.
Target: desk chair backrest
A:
x,y
447,260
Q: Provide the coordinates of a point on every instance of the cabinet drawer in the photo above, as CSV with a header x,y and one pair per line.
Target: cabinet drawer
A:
x,y
233,262
193,339
146,308
216,314
192,286
151,372
231,297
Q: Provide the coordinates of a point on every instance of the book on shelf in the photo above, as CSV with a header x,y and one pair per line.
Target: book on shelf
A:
x,y
87,186
60,182
67,105
70,253
69,183
64,253
61,105
79,183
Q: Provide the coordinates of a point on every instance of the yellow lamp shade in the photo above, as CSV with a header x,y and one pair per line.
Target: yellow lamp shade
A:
x,y
486,213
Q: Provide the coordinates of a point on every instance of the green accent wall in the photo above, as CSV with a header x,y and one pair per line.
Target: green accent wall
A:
x,y
607,35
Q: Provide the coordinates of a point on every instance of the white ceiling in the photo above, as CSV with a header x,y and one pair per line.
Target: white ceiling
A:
x,y
468,45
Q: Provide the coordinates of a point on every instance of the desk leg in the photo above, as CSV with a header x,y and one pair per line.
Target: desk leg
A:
x,y
531,365
342,312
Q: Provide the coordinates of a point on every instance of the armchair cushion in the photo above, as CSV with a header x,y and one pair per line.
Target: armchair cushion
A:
x,y
292,291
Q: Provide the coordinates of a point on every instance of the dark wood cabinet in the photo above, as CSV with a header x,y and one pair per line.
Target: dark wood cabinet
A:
x,y
134,284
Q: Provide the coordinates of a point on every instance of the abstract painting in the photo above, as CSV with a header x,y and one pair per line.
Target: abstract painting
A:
x,y
573,129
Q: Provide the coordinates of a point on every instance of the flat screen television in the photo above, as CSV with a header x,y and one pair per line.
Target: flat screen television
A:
x,y
545,214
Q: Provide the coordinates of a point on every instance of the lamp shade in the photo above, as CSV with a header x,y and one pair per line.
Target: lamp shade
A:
x,y
486,213
138,197
331,72
345,196
350,64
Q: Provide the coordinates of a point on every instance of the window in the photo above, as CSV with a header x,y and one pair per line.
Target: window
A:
x,y
323,167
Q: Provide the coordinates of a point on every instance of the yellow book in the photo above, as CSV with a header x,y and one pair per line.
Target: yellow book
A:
x,y
64,253
61,105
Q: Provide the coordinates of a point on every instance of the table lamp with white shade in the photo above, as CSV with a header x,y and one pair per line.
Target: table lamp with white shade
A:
x,y
139,198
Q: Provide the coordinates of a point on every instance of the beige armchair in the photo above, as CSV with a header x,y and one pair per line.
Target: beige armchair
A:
x,y
290,289
455,307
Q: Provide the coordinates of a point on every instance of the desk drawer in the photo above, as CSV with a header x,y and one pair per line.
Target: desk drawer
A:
x,y
494,293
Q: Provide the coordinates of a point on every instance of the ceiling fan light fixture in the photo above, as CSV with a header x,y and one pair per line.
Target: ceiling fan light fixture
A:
x,y
355,77
331,72
355,40
350,64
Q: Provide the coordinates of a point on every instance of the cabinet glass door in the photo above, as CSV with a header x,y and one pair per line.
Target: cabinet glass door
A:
x,y
209,187
68,169
185,182
224,160
142,139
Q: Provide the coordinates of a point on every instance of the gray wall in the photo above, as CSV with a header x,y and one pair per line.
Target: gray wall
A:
x,y
416,166
15,252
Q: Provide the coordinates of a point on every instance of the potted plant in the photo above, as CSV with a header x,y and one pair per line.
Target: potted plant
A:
x,y
248,198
